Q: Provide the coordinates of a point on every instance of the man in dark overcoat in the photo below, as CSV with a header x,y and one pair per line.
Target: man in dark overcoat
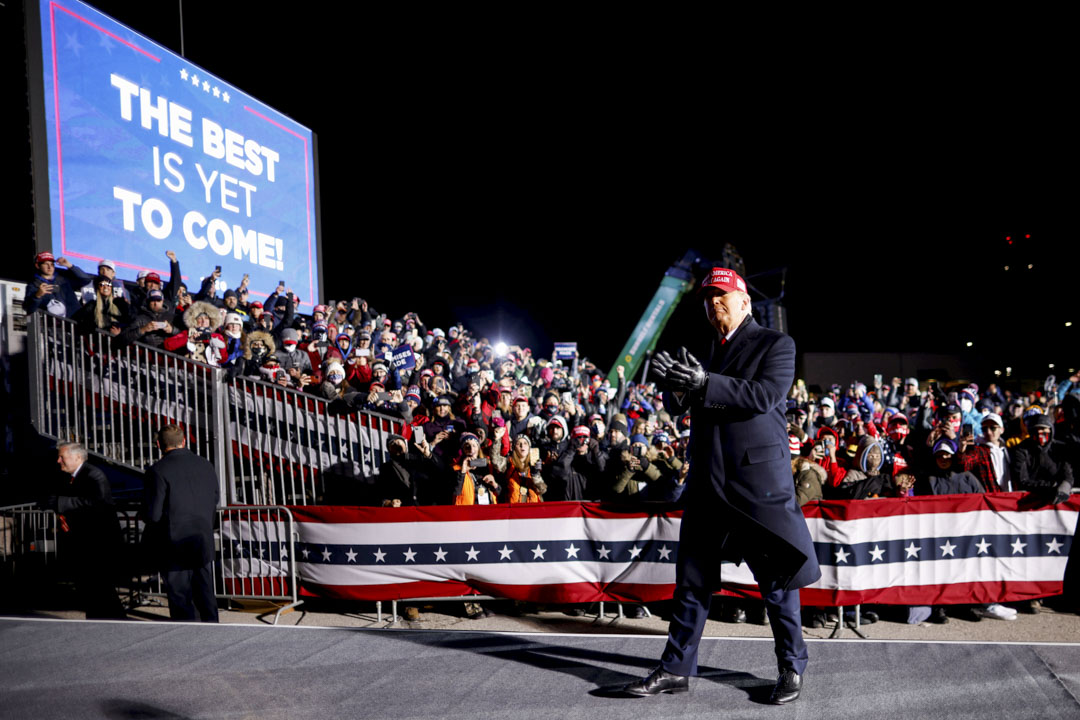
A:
x,y
180,505
740,493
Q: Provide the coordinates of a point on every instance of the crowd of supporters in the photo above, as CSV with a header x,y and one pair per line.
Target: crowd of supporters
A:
x,y
487,426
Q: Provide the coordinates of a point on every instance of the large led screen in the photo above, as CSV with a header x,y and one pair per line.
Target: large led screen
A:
x,y
147,152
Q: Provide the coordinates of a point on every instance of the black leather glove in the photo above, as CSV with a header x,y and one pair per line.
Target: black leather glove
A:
x,y
687,374
1064,491
659,367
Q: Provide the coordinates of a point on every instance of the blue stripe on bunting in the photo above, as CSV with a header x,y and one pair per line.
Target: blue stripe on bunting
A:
x,y
942,548
488,552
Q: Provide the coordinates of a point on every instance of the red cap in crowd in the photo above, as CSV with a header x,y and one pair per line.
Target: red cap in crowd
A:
x,y
153,277
44,257
723,279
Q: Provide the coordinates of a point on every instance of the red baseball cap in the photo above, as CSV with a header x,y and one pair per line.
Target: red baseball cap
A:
x,y
43,257
723,279
153,277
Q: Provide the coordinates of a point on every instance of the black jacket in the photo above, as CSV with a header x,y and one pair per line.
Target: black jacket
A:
x,y
180,507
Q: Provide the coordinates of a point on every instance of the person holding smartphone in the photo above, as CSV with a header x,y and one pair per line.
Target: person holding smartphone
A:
x,y
473,482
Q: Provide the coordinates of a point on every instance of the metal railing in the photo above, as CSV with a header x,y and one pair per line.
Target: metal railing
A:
x,y
269,444
112,397
27,531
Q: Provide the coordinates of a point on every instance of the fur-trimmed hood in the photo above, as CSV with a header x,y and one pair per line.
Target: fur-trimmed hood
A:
x,y
267,339
200,307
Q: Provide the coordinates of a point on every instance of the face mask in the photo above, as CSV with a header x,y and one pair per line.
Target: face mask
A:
x,y
965,405
1042,437
335,378
234,334
955,425
899,432
290,346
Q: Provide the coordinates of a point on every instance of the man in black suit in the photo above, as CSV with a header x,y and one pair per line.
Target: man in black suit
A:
x,y
740,493
90,531
180,505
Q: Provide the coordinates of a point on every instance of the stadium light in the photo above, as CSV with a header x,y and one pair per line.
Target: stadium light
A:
x,y
500,348
1068,323
997,373
969,343
1051,366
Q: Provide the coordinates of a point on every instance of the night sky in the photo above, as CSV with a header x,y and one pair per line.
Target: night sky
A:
x,y
536,183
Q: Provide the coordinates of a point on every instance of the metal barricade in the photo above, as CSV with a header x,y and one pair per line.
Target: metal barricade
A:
x,y
283,441
27,531
257,556
112,397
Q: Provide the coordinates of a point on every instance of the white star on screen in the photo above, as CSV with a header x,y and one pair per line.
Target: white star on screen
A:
x,y
195,80
326,554
351,555
571,552
106,43
472,553
380,556
538,552
603,552
1054,546
984,547
665,554
183,73
842,555
206,86
440,555
947,549
634,552
410,556
72,44
1018,547
912,550
877,554
505,553
225,96
217,91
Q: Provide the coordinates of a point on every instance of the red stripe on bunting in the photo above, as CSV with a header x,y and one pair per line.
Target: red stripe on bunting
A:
x,y
927,504
450,513
562,593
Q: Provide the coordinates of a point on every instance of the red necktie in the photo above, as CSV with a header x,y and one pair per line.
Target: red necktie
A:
x,y
723,341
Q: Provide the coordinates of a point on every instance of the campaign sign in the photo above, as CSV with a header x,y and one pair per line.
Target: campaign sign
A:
x,y
565,351
403,358
148,152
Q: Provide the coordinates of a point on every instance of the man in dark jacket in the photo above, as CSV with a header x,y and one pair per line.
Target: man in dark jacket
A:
x,y
84,503
1040,464
179,507
153,324
740,500
49,291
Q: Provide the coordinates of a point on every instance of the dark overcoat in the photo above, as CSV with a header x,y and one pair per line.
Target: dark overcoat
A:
x,y
740,492
180,506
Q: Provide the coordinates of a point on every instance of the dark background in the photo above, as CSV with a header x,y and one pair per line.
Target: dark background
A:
x,y
535,176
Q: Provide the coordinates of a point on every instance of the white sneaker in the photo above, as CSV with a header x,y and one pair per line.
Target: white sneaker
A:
x,y
996,611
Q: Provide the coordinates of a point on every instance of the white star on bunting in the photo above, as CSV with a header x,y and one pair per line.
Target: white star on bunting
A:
x,y
912,550
326,554
472,553
984,547
665,554
571,552
538,552
305,553
842,555
603,552
634,552
1018,547
505,553
877,554
1054,546
410,556
440,555
351,555
947,549
380,556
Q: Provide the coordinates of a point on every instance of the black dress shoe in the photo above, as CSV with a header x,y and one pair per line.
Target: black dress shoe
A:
x,y
787,687
735,615
659,681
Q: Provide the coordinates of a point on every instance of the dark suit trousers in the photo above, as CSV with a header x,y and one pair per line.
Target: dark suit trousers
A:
x,y
692,609
191,594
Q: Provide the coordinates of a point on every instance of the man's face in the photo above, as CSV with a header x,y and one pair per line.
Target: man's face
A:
x,y
873,458
106,271
67,461
827,411
911,389
724,310
992,431
156,305
521,409
153,285
230,302
398,448
555,432
943,460
616,436
46,268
